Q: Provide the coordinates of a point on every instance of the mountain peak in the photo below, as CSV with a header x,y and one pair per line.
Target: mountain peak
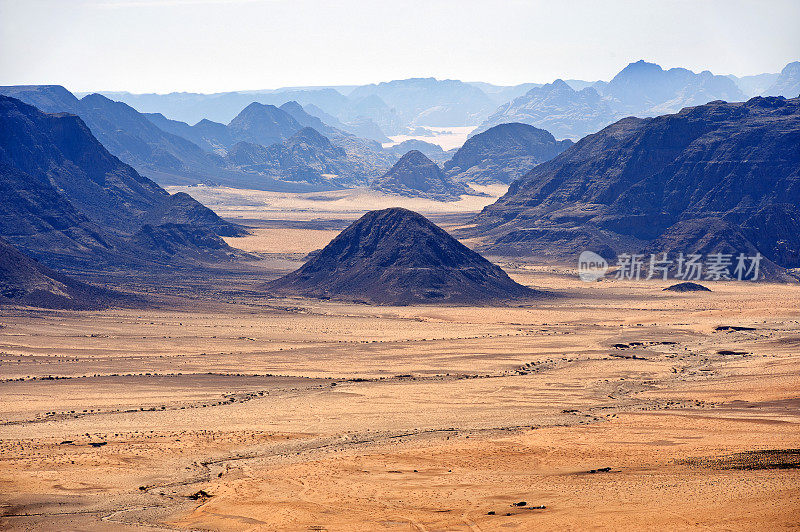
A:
x,y
263,124
638,69
560,84
292,107
788,82
312,136
674,199
502,153
415,157
396,256
256,107
417,176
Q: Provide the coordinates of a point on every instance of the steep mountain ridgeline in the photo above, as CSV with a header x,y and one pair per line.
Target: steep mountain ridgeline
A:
x,y
721,176
307,157
170,151
69,202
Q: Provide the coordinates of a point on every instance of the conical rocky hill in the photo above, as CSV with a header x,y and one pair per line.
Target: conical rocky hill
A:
x,y
396,256
415,175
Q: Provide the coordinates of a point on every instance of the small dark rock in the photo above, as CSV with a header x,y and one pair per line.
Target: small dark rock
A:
x,y
687,287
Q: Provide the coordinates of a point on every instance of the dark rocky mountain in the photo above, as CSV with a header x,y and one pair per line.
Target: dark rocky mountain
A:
x,y
717,177
182,209
169,151
415,175
23,281
788,82
641,89
687,287
68,201
431,102
299,171
126,133
306,157
398,257
503,153
366,154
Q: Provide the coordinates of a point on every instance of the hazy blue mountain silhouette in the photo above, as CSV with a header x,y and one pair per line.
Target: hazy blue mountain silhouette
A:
x,y
755,85
558,108
788,82
641,89
428,101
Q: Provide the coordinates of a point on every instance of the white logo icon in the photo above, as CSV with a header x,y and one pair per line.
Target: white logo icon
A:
x,y
591,266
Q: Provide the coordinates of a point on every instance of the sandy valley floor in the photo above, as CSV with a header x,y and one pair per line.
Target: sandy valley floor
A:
x,y
611,405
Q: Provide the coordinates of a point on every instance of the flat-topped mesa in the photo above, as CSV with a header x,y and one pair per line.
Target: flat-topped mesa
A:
x,y
417,176
398,257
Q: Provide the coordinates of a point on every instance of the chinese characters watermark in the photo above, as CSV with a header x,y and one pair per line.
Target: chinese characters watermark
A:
x,y
680,266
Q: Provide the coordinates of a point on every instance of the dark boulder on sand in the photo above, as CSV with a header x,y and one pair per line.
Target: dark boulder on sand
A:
x,y
687,287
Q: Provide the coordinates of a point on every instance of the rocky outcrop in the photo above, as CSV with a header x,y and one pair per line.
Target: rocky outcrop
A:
x,y
398,257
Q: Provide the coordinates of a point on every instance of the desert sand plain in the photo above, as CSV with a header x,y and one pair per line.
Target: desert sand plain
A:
x,y
610,405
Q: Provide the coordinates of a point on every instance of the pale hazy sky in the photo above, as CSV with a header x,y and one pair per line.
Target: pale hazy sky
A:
x,y
218,45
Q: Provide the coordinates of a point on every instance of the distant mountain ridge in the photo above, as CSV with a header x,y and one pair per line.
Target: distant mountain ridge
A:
x,y
395,107
170,156
428,101
641,89
555,107
69,203
307,156
787,83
